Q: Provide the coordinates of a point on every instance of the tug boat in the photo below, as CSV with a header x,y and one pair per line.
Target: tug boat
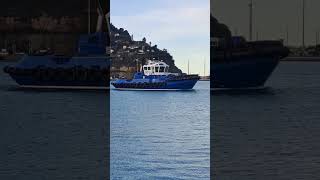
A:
x,y
88,69
155,75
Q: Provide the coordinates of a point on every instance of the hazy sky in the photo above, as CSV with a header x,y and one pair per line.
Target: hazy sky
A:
x,y
270,18
180,26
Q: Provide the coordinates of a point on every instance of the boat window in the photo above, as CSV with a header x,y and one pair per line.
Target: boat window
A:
x,y
149,68
145,68
161,69
157,69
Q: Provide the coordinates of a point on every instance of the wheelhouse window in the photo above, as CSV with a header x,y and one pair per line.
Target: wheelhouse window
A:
x,y
161,69
157,69
149,68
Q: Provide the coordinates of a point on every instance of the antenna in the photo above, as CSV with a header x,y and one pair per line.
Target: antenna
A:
x,y
250,19
137,65
303,22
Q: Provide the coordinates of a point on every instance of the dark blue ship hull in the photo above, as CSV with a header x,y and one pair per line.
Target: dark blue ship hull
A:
x,y
246,72
78,72
88,69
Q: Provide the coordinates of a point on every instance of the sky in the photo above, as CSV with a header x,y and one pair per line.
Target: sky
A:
x,y
180,26
271,18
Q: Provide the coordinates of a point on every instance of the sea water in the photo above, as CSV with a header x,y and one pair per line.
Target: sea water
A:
x,y
160,134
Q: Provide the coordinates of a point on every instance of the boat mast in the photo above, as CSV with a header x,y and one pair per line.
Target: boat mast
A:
x,y
89,15
303,23
287,34
107,16
250,19
204,68
317,37
100,18
188,67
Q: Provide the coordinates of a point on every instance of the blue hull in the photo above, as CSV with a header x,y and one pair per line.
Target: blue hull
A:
x,y
83,72
242,73
154,84
183,85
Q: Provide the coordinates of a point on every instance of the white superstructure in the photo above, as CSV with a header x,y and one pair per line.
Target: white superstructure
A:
x,y
156,68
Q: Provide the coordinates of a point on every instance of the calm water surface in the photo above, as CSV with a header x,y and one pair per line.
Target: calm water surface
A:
x,y
272,133
52,134
160,134
265,134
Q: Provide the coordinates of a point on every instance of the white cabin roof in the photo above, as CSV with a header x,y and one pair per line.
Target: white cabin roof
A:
x,y
156,63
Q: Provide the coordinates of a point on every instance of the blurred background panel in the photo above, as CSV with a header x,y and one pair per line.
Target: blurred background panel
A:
x,y
50,134
32,25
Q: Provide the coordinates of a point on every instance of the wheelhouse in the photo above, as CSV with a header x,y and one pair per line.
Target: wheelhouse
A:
x,y
156,68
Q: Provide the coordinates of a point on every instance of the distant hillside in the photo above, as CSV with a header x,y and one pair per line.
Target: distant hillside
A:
x,y
126,52
218,29
31,8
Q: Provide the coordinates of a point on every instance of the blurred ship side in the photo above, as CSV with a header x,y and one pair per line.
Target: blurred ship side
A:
x,y
236,63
